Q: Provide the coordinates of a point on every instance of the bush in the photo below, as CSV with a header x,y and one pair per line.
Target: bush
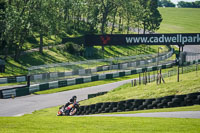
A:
x,y
73,48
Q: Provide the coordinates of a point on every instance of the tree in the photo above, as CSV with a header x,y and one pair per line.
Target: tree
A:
x,y
151,19
165,3
155,17
183,4
45,19
2,23
106,8
17,26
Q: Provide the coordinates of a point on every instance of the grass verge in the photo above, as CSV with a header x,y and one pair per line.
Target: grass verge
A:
x,y
152,90
39,121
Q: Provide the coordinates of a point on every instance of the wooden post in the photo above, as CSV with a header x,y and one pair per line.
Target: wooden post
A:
x,y
149,77
196,68
160,76
143,78
178,75
178,64
139,78
135,82
132,83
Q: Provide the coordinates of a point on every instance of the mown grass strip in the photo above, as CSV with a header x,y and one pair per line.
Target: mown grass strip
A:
x,y
180,20
41,122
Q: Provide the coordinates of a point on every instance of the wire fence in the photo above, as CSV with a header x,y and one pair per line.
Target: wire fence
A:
x,y
148,77
69,70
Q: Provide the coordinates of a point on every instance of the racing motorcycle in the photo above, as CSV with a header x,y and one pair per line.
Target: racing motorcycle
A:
x,y
69,110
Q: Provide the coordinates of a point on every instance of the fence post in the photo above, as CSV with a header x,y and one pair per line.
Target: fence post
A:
x,y
160,76
135,82
196,68
178,74
28,80
139,78
132,83
149,77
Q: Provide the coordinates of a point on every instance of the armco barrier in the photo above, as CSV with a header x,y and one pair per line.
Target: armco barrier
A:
x,y
82,71
13,79
141,104
68,82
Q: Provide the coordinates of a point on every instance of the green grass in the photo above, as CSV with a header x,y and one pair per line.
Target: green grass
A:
x,y
10,84
98,125
34,41
152,90
45,121
180,20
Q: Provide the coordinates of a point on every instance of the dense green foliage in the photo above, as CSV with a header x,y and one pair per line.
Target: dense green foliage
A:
x,y
23,19
165,3
184,4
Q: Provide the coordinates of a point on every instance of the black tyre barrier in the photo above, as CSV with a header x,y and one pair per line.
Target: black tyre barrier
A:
x,y
62,83
141,104
109,76
44,86
61,74
95,78
121,74
79,81
96,94
22,91
1,96
133,71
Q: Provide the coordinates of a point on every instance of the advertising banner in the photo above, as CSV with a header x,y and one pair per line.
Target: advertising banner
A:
x,y
148,39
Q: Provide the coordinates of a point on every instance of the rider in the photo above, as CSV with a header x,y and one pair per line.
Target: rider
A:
x,y
71,101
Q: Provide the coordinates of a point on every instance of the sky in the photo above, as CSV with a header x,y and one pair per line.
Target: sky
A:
x,y
176,1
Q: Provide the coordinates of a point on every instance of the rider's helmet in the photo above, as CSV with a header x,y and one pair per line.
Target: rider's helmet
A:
x,y
74,97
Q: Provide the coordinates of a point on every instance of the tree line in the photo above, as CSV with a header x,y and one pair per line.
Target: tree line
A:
x,y
165,3
181,4
19,19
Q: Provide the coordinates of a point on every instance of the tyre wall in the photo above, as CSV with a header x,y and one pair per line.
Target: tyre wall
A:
x,y
96,94
141,104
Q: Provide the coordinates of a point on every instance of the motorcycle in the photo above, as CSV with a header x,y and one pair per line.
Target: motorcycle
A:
x,y
69,110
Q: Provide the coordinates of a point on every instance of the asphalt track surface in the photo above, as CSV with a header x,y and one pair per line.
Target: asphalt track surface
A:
x,y
180,114
28,104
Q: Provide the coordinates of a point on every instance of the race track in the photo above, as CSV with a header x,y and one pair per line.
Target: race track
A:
x,y
180,114
28,104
